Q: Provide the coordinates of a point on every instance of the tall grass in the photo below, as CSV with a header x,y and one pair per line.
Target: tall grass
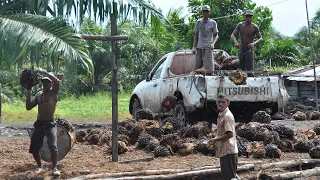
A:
x,y
96,107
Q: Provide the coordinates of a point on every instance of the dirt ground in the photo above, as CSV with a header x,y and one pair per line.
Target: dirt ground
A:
x,y
17,163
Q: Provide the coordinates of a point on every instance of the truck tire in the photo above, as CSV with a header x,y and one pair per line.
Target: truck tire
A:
x,y
180,113
136,106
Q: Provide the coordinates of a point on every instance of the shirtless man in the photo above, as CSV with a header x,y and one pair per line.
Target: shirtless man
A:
x,y
248,31
45,124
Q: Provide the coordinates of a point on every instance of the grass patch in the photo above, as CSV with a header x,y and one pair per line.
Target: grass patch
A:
x,y
96,107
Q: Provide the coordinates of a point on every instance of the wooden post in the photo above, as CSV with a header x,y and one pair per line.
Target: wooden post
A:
x,y
0,104
114,89
113,38
313,60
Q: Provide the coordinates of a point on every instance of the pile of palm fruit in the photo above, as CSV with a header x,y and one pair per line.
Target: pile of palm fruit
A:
x,y
258,138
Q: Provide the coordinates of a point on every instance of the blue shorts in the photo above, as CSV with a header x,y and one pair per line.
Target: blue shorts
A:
x,y
41,129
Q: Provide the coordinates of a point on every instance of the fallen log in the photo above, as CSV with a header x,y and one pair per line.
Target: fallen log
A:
x,y
298,174
207,170
161,174
286,164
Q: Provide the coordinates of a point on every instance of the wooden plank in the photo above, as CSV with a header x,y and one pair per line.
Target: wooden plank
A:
x,y
103,38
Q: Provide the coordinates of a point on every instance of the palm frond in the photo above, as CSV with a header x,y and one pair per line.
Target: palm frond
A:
x,y
56,38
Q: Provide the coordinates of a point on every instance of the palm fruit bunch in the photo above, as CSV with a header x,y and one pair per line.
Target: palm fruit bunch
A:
x,y
168,139
301,107
279,116
285,145
155,132
64,123
314,153
261,117
186,149
284,131
124,138
80,135
29,78
315,115
193,131
247,131
304,135
135,133
176,122
128,124
203,146
169,103
237,77
93,136
316,129
105,138
242,144
272,151
234,65
220,56
303,146
122,148
153,143
267,126
316,140
261,134
168,128
144,113
272,138
230,63
256,149
161,151
299,116
216,66
123,130
144,140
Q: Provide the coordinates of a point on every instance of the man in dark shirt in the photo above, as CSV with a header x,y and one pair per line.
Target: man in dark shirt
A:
x,y
248,31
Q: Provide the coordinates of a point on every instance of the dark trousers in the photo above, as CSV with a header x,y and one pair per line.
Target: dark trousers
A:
x,y
228,165
246,58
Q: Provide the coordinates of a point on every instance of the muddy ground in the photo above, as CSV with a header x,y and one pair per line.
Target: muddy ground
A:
x,y
17,163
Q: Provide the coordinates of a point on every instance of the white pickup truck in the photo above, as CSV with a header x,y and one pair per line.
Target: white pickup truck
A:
x,y
196,93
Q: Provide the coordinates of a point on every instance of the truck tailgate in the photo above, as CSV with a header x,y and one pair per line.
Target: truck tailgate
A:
x,y
254,90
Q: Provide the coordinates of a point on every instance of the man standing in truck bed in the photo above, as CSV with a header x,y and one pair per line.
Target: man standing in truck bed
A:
x,y
248,31
204,42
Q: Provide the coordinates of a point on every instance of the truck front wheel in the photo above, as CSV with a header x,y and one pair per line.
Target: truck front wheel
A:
x,y
136,106
180,113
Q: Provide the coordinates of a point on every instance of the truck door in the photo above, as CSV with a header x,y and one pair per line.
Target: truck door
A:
x,y
153,86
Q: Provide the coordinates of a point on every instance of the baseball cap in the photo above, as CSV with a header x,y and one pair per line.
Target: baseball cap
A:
x,y
248,12
205,8
46,78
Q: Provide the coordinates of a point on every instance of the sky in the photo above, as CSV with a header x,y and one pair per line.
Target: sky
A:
x,y
288,15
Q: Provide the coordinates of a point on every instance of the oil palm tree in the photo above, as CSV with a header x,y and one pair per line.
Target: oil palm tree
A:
x,y
38,30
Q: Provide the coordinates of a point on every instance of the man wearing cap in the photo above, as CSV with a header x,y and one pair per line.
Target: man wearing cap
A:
x,y
45,124
204,42
248,31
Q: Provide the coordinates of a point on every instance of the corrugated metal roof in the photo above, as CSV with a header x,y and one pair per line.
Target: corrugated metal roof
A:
x,y
304,73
